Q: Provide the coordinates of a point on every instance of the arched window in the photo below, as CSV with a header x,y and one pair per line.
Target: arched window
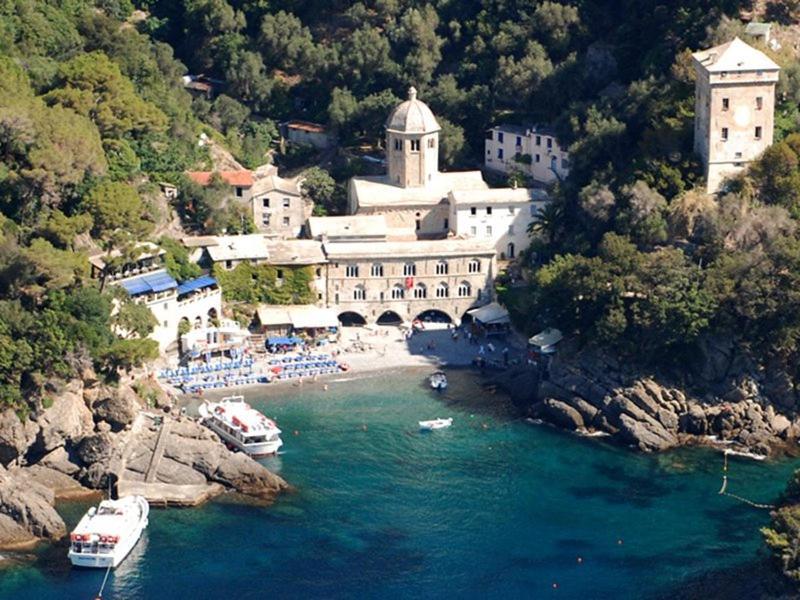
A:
x,y
359,293
431,143
420,291
376,270
351,271
442,291
464,289
474,266
441,267
409,269
398,292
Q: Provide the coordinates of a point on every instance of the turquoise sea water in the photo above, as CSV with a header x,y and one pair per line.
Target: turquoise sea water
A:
x,y
491,508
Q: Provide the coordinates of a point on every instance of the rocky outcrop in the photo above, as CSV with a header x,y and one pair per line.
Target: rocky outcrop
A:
x,y
66,420
192,464
26,511
587,390
117,406
16,436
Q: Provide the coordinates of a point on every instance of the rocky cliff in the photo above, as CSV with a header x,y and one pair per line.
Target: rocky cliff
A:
x,y
590,391
86,440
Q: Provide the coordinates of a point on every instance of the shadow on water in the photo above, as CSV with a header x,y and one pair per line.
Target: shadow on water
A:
x,y
756,579
639,489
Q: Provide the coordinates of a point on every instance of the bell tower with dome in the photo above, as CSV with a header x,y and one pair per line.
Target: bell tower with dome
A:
x,y
734,108
412,144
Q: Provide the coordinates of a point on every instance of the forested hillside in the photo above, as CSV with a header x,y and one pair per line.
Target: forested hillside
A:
x,y
93,115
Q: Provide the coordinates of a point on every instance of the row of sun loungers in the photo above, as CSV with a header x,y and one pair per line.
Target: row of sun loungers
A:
x,y
229,365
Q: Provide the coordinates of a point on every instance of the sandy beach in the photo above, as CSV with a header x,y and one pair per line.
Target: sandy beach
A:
x,y
370,350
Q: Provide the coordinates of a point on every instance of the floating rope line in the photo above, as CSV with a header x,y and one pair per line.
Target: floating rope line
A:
x,y
100,593
723,490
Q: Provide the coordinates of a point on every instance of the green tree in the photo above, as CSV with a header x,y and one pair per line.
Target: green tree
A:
x,y
93,86
318,185
115,205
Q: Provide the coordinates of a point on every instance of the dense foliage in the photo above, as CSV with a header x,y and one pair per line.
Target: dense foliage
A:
x,y
255,284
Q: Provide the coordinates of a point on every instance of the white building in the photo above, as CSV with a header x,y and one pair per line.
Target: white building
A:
x,y
417,201
531,150
734,108
501,216
147,282
279,208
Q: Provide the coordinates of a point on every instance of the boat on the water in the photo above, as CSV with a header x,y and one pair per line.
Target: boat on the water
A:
x,y
107,533
438,380
435,424
241,426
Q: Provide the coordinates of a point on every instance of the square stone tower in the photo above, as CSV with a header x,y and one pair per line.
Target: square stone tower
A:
x,y
734,108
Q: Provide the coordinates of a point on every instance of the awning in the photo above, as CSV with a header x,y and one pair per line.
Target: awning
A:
x,y
196,284
273,315
279,340
149,284
491,314
548,337
313,317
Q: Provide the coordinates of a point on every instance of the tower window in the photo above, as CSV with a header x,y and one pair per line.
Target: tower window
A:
x,y
549,143
724,134
351,271
398,145
725,104
500,136
538,158
488,210
415,145
759,103
473,210
758,133
431,143
538,140
500,153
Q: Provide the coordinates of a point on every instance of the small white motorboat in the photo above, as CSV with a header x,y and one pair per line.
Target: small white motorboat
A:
x,y
435,424
106,534
438,380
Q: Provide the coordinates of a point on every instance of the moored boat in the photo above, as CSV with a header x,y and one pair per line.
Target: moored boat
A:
x,y
438,380
435,424
241,426
107,533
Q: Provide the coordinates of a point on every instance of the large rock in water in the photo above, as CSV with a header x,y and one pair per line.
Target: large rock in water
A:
x,y
30,506
192,446
16,436
561,414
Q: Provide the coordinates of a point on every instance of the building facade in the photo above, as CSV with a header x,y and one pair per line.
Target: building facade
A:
x,y
305,132
389,281
531,150
240,182
501,216
734,108
279,208
198,301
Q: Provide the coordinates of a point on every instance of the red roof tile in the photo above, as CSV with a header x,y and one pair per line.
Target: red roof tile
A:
x,y
242,178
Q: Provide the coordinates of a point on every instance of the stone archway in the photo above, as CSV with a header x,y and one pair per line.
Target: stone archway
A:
x,y
434,315
389,317
350,318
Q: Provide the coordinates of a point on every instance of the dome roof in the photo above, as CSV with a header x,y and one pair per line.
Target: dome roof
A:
x,y
412,116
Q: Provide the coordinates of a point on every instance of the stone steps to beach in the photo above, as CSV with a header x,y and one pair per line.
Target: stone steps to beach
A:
x,y
158,452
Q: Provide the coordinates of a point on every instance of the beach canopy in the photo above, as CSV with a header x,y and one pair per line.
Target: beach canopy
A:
x,y
313,317
490,314
149,284
280,340
196,284
548,337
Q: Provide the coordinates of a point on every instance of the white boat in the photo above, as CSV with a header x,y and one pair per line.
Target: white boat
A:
x,y
106,534
241,426
438,380
435,424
